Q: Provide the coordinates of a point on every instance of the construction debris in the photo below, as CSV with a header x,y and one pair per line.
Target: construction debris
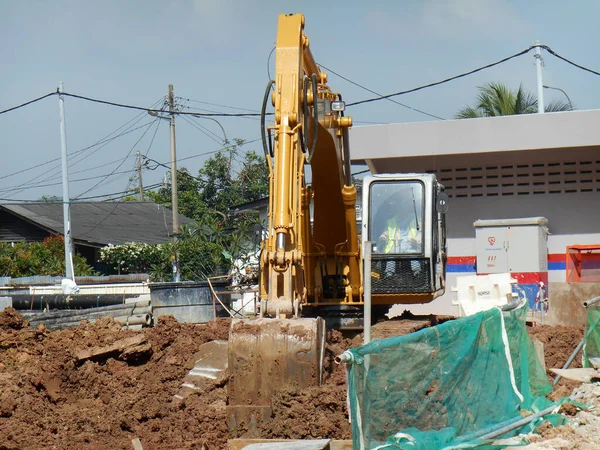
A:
x,y
582,375
127,314
210,366
115,347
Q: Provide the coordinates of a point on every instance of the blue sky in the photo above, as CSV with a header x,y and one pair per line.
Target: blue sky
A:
x,y
216,51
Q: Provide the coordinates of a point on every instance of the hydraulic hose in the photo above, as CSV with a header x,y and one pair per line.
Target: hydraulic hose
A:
x,y
316,118
346,151
267,149
304,130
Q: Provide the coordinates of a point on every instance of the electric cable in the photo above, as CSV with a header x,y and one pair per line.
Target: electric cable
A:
x,y
76,180
360,102
217,104
377,93
132,179
216,151
55,171
200,128
553,53
446,80
106,139
153,137
116,168
125,193
269,63
28,103
140,108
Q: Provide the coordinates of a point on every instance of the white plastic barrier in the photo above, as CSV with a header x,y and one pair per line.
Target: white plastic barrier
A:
x,y
477,293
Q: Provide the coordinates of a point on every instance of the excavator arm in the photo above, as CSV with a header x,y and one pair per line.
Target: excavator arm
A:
x,y
312,255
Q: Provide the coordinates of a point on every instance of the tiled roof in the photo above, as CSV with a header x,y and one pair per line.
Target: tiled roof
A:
x,y
102,223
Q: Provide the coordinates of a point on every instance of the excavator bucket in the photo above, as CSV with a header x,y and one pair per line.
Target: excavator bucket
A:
x,y
266,355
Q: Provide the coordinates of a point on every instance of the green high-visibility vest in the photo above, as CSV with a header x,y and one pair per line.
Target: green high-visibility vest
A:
x,y
393,228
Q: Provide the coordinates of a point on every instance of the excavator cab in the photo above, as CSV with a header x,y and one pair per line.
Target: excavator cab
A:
x,y
404,219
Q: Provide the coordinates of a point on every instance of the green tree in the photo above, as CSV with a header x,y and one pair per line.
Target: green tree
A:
x,y
225,180
218,236
496,99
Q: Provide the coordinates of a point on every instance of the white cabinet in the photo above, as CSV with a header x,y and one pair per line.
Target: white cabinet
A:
x,y
511,245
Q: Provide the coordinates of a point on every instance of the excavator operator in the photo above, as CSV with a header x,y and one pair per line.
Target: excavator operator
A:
x,y
401,232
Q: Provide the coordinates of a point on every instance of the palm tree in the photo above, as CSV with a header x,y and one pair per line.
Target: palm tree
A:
x,y
495,99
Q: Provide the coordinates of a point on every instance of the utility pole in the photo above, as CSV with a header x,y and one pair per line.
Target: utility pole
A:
x,y
540,84
139,172
69,273
174,197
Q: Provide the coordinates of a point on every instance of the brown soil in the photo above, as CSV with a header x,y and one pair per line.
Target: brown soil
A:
x,y
559,342
49,399
548,431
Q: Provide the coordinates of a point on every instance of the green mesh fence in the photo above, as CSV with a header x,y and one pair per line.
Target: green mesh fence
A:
x,y
446,386
591,344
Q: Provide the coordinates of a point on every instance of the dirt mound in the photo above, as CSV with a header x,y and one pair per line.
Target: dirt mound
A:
x,y
559,342
11,319
49,398
82,388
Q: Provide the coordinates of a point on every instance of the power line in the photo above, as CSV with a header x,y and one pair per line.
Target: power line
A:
x,y
379,97
377,93
153,136
203,130
132,178
54,172
140,108
217,104
135,120
212,110
553,53
216,151
29,102
167,165
122,162
72,154
124,193
39,185
437,83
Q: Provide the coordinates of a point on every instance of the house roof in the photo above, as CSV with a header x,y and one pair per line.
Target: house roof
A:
x,y
101,223
254,205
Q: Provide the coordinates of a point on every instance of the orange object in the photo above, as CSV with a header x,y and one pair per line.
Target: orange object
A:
x,y
583,263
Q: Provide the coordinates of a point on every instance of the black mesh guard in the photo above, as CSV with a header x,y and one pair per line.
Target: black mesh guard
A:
x,y
400,275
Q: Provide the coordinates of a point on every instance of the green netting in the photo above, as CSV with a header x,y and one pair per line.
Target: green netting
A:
x,y
591,344
447,385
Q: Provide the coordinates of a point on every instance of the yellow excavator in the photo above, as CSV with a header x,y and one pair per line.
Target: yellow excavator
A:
x,y
311,267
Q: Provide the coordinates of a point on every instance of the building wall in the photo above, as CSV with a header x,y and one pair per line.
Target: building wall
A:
x,y
573,218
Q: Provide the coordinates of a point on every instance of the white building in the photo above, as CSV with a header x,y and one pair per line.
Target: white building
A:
x,y
538,165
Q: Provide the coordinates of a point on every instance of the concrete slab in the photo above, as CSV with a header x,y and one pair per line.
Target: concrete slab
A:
x,y
238,444
211,363
279,444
